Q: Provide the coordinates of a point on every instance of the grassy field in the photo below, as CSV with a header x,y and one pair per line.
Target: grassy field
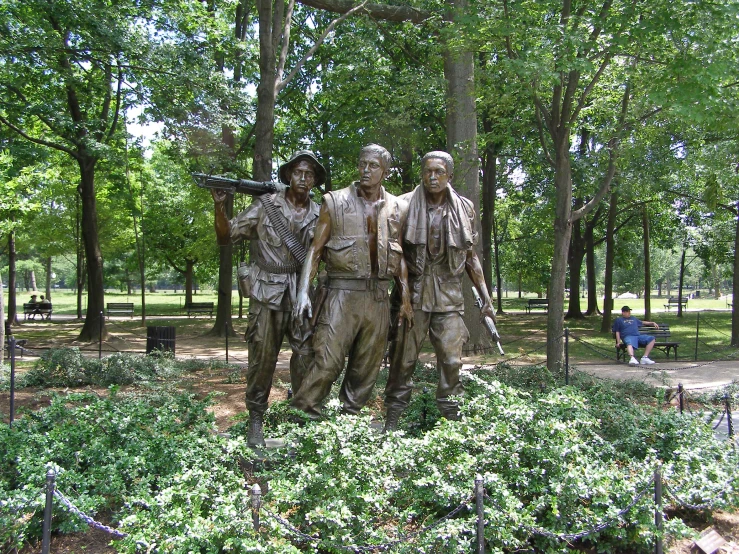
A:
x,y
523,335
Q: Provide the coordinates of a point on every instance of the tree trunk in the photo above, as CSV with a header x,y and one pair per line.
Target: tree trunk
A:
x,y
498,273
81,269
32,276
735,285
562,235
48,277
590,271
575,255
680,287
605,326
2,320
91,330
487,211
647,267
461,128
189,266
12,300
716,280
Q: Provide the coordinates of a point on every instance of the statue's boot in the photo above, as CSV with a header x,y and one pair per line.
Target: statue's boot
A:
x,y
392,417
450,412
256,431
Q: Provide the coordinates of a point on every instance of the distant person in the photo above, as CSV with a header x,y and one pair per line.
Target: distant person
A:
x,y
43,300
33,300
626,328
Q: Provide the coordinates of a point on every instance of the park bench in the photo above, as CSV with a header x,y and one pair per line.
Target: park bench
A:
x,y
672,301
661,341
31,310
199,308
119,308
535,303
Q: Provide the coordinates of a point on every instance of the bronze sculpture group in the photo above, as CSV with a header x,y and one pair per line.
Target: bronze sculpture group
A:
x,y
367,238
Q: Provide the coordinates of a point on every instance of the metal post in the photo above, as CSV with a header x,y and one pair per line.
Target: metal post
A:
x,y
567,355
681,396
256,504
11,345
100,336
50,485
729,421
480,515
697,330
424,409
658,510
226,341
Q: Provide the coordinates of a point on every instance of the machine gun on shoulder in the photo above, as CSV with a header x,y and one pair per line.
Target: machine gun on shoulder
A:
x,y
244,186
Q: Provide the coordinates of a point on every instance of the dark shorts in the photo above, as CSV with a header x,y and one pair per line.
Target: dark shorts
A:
x,y
638,340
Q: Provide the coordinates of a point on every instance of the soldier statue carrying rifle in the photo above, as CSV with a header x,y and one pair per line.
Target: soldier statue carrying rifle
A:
x,y
282,224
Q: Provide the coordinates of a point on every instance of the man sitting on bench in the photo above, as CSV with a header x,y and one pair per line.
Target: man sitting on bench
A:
x,y
626,328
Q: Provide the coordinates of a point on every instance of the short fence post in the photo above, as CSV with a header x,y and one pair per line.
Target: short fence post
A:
x,y
256,504
11,345
658,509
729,421
567,355
100,336
50,485
424,408
697,330
480,515
226,341
681,396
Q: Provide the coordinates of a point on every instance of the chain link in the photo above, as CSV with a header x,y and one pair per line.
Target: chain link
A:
x,y
87,519
370,548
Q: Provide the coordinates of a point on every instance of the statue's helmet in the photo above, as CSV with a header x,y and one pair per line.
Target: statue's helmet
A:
x,y
297,157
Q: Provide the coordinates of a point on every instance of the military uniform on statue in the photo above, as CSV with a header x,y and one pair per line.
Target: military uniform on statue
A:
x,y
358,238
271,280
438,245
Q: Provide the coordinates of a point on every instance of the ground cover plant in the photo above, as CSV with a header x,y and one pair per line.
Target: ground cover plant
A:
x,y
555,459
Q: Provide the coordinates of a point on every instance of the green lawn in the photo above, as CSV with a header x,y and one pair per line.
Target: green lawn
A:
x,y
523,335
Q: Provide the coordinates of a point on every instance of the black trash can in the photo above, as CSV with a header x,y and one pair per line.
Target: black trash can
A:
x,y
160,338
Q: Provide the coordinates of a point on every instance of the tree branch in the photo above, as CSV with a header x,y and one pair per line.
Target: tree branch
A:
x,y
285,45
41,142
298,66
377,11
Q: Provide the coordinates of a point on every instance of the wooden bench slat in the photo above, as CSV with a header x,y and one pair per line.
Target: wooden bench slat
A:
x,y
31,309
119,308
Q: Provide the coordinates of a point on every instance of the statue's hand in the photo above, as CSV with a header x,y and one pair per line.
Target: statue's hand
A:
x,y
487,310
406,314
303,306
219,196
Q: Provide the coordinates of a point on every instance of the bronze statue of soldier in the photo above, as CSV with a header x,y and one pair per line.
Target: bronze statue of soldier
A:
x,y
439,241
273,278
358,236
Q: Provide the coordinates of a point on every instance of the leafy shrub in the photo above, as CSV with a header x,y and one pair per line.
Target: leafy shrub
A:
x,y
154,467
67,367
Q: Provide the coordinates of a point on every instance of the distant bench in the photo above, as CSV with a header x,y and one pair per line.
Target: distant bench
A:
x,y
119,308
661,341
672,301
199,308
33,309
535,303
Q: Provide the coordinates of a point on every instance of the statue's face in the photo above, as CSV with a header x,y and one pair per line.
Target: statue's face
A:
x,y
435,176
302,177
371,170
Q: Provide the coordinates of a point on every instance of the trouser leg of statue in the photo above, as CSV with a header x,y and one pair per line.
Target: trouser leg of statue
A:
x,y
402,365
264,335
448,334
352,323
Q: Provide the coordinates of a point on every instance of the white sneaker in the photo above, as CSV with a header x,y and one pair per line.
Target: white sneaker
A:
x,y
646,361
633,361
